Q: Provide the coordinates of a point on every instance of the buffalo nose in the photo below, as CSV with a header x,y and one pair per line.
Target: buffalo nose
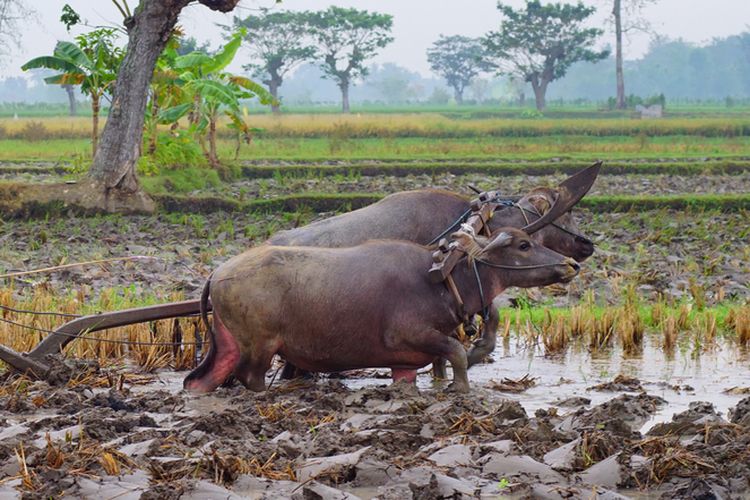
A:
x,y
572,263
586,247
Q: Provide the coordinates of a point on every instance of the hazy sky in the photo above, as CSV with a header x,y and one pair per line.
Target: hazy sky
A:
x,y
417,23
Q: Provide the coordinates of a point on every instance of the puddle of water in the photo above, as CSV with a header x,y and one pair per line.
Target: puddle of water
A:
x,y
568,375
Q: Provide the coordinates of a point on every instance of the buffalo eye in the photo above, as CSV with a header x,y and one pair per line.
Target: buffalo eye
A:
x,y
525,245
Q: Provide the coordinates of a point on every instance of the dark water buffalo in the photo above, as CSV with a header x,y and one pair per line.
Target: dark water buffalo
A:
x,y
421,215
371,305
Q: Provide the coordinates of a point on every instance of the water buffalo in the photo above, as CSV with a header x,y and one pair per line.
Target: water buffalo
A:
x,y
421,215
372,305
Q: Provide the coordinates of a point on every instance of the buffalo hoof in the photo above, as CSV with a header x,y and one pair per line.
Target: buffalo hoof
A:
x,y
458,388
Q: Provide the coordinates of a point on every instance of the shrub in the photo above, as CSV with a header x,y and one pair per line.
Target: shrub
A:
x,y
33,131
183,180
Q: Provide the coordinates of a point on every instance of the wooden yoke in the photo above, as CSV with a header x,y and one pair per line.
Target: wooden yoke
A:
x,y
445,258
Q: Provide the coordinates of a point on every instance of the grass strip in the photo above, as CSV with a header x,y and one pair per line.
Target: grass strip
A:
x,y
316,202
521,168
13,205
327,202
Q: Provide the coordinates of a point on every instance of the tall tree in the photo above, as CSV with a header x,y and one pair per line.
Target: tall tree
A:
x,y
540,42
12,12
458,59
346,38
633,21
149,28
72,105
278,42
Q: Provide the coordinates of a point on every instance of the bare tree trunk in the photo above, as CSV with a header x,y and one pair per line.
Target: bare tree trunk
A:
x,y
213,156
71,99
273,89
154,125
522,99
120,146
95,125
458,95
344,86
540,90
148,31
617,13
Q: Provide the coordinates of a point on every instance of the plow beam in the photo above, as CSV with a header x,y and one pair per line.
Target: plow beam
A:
x,y
33,363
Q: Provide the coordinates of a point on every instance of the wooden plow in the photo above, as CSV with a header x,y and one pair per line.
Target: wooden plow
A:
x,y
445,258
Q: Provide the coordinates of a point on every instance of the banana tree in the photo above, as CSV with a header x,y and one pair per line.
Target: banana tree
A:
x,y
91,62
165,89
211,92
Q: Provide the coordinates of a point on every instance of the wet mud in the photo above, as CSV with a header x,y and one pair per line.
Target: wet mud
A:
x,y
126,436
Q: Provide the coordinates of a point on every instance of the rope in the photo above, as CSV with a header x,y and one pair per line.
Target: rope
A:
x,y
450,228
38,313
78,264
485,307
95,339
465,215
554,224
502,266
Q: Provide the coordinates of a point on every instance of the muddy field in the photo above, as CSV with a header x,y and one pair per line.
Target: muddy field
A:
x,y
322,439
579,424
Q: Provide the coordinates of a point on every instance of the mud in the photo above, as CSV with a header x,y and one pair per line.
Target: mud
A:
x,y
325,439
510,184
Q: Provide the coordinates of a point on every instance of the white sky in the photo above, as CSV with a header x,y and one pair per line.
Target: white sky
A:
x,y
417,23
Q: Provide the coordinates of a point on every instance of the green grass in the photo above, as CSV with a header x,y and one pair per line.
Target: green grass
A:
x,y
325,202
555,109
181,180
535,148
500,168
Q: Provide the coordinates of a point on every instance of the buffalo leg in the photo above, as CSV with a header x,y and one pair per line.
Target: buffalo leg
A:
x,y
289,371
438,344
438,369
485,344
252,368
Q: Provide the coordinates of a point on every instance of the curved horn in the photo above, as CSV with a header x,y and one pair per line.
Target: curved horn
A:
x,y
570,192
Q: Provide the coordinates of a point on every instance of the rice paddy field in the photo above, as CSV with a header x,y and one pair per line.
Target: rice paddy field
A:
x,y
631,381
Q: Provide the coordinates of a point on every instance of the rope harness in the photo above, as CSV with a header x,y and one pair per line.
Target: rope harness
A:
x,y
451,283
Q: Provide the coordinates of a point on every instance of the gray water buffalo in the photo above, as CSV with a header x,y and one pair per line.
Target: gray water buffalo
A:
x,y
372,305
421,215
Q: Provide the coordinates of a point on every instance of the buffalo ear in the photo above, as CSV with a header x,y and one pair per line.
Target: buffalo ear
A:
x,y
501,240
541,202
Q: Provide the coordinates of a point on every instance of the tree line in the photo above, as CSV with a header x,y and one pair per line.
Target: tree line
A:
x,y
534,45
150,81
